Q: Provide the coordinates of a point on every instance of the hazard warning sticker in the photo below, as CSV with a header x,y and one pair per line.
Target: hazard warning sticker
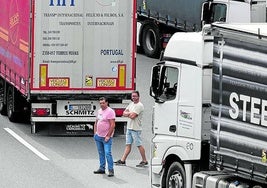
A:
x,y
107,82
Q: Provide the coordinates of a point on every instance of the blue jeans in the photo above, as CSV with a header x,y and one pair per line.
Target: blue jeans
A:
x,y
104,151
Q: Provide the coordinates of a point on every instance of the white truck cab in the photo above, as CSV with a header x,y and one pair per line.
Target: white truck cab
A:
x,y
210,111
181,93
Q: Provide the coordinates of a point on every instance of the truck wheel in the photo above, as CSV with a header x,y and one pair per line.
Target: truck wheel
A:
x,y
176,176
12,116
3,110
151,40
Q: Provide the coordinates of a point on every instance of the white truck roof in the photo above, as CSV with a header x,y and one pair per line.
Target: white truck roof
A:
x,y
254,28
189,47
181,45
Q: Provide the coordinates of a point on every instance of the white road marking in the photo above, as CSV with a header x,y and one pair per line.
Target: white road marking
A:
x,y
21,140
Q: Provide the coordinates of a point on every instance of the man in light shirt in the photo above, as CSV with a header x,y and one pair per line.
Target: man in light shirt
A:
x,y
134,111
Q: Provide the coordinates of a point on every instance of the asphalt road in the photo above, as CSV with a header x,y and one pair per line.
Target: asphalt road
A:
x,y
31,161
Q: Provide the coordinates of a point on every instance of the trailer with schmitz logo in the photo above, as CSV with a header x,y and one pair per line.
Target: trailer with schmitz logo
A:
x,y
57,57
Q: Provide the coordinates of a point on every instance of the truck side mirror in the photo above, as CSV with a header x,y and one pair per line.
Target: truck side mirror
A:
x,y
205,13
151,93
155,81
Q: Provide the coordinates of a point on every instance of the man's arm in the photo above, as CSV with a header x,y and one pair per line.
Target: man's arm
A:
x,y
111,129
126,113
95,126
132,115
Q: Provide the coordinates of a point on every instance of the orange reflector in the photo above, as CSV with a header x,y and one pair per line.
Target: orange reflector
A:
x,y
43,75
122,75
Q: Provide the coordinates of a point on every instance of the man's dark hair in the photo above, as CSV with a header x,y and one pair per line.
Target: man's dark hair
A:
x,y
103,99
137,92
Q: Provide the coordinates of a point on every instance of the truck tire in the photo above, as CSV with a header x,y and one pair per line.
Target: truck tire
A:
x,y
176,176
11,114
3,110
150,40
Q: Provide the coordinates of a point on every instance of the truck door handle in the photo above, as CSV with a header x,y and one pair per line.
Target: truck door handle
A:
x,y
172,128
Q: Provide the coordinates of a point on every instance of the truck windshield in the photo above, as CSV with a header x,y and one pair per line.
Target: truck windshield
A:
x,y
218,12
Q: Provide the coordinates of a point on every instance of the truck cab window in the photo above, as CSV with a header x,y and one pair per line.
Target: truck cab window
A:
x,y
218,12
169,83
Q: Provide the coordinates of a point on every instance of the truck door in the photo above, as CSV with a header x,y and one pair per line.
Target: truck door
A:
x,y
166,98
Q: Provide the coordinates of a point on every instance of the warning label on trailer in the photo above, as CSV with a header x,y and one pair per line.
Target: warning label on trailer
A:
x,y
89,81
58,82
109,82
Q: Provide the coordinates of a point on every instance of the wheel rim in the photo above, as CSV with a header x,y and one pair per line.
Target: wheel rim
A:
x,y
150,40
176,180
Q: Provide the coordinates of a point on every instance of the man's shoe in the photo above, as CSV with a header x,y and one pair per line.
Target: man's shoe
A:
x,y
142,164
110,173
120,162
99,171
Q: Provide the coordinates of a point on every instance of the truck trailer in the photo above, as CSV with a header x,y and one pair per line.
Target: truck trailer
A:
x,y
158,20
210,115
57,57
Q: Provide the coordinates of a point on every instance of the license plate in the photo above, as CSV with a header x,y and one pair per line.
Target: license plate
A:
x,y
80,110
79,127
